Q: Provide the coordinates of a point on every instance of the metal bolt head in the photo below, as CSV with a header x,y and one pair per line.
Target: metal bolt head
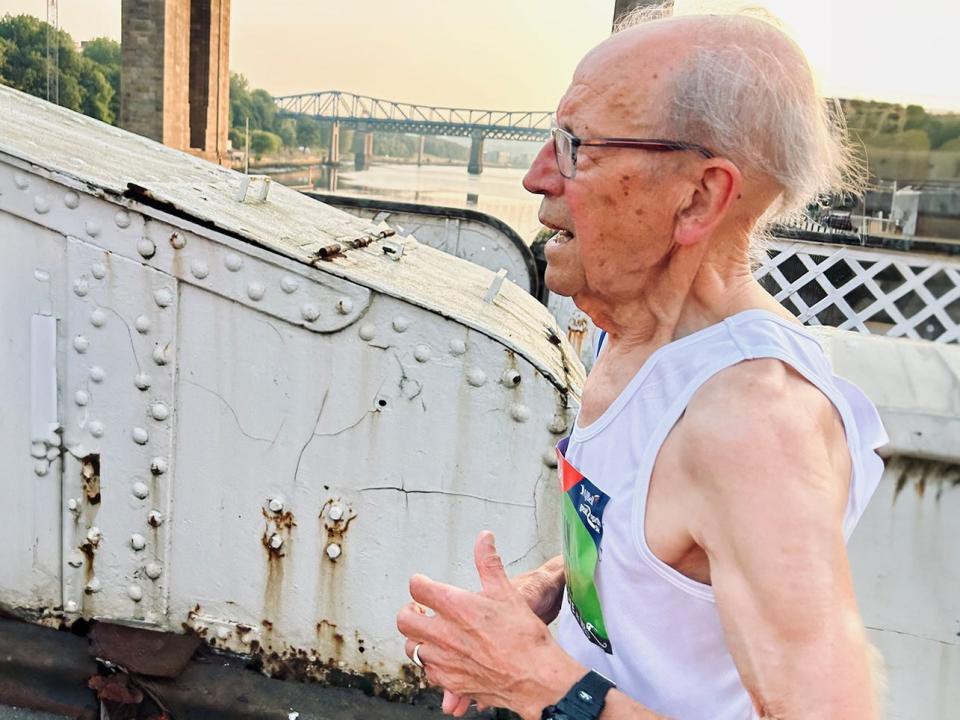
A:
x,y
401,323
289,284
476,377
122,219
146,248
163,297
96,428
233,262
275,541
160,354
94,536
223,632
81,286
38,450
199,269
140,435
520,413
155,518
140,490
73,505
71,200
142,324
97,374
81,344
154,570
81,397
421,353
256,291
138,542
275,504
71,606
510,378
92,228
457,347
142,381
41,204
93,586
41,467
335,513
54,452
159,411
135,592
334,551
345,306
310,312
368,331
550,458
159,465
98,270
178,241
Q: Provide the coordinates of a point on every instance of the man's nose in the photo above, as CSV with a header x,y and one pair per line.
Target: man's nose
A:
x,y
543,177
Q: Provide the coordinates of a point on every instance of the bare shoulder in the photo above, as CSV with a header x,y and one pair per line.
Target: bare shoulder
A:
x,y
760,425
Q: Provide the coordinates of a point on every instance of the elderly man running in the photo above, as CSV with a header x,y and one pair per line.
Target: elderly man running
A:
x,y
717,465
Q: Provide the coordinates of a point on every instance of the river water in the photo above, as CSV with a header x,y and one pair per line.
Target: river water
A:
x,y
498,191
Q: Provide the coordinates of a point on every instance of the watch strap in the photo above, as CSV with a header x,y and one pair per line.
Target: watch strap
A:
x,y
584,701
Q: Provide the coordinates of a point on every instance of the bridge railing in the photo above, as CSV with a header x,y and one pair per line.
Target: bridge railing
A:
x,y
341,106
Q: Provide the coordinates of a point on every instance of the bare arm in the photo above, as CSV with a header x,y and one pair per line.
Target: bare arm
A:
x,y
767,456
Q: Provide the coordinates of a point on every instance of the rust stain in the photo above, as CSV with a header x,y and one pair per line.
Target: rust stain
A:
x,y
923,474
277,538
89,551
90,477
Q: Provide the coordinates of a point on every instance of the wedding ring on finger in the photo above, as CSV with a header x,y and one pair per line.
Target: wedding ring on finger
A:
x,y
415,656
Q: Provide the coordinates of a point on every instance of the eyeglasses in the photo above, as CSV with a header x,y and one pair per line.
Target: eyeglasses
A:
x,y
566,144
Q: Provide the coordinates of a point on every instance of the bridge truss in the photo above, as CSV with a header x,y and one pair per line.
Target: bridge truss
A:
x,y
368,113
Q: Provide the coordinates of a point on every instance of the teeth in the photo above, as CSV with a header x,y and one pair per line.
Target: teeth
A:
x,y
562,237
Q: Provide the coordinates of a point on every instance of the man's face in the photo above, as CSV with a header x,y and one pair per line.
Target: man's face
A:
x,y
617,211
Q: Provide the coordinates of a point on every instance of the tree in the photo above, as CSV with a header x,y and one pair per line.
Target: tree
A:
x,y
308,132
286,128
96,93
106,53
81,83
263,143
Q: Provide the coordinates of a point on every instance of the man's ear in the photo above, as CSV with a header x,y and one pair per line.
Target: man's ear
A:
x,y
709,202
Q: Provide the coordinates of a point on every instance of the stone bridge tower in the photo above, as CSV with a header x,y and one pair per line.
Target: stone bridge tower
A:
x,y
175,83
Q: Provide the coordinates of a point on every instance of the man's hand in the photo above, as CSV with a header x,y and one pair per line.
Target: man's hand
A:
x,y
543,589
488,645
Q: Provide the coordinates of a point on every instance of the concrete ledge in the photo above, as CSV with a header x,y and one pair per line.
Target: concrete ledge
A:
x,y
915,384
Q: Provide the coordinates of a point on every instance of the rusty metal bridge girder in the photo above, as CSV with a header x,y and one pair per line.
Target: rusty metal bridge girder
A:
x,y
386,115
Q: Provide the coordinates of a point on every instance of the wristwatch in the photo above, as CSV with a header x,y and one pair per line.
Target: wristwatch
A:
x,y
584,701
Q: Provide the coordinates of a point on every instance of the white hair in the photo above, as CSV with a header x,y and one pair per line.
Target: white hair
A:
x,y
758,108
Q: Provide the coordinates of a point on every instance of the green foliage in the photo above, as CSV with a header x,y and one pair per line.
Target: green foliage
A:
x,y
909,140
286,128
106,53
82,81
951,145
309,132
237,138
263,143
942,129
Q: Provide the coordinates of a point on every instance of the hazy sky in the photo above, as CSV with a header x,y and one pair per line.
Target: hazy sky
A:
x,y
519,54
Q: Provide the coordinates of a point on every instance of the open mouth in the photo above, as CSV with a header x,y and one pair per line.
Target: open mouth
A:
x,y
561,237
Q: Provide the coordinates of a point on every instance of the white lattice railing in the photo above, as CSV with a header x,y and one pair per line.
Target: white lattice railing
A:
x,y
871,290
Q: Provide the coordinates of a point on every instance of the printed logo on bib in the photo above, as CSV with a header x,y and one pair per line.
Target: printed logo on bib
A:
x,y
582,505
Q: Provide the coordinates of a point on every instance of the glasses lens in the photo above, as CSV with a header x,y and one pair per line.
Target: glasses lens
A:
x,y
564,148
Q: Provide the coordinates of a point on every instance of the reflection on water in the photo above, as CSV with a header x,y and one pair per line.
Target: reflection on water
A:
x,y
497,192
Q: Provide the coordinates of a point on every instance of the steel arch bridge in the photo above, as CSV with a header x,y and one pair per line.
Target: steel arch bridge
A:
x,y
368,113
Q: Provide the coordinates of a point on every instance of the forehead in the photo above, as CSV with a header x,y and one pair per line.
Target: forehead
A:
x,y
623,83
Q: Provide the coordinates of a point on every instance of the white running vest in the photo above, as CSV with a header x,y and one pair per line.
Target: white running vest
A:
x,y
636,620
